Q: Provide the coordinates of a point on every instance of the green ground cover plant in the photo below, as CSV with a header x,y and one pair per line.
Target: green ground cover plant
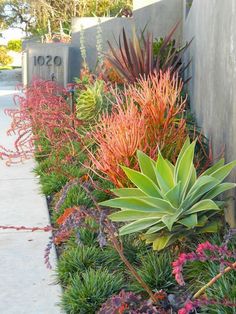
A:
x,y
5,59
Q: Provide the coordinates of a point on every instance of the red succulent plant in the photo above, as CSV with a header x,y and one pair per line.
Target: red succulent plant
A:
x,y
147,116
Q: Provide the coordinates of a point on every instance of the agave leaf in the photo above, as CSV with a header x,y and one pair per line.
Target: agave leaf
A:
x,y
223,171
147,165
212,227
142,182
183,149
203,205
199,189
223,187
149,238
173,196
161,242
183,171
148,204
160,204
203,183
130,203
202,221
130,215
164,174
172,167
213,168
190,221
138,225
192,179
126,192
156,228
169,220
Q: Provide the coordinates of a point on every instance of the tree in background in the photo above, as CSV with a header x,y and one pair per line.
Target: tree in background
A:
x,y
33,15
16,13
14,45
5,59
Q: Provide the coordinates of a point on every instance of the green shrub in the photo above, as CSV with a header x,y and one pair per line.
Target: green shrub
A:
x,y
5,59
52,182
156,271
77,260
132,247
14,45
89,290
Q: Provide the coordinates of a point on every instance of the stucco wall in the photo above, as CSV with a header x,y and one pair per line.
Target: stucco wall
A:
x,y
212,89
158,16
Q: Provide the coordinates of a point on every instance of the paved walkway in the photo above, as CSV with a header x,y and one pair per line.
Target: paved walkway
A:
x,y
26,286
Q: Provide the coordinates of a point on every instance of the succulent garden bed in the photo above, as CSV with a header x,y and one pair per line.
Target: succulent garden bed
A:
x,y
131,186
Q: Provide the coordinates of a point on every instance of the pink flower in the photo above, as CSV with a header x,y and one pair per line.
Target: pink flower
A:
x,y
206,246
189,306
178,266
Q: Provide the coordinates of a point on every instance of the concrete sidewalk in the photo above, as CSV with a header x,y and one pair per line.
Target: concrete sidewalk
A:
x,y
26,285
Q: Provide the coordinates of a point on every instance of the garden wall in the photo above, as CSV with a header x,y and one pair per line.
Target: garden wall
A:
x,y
158,16
212,88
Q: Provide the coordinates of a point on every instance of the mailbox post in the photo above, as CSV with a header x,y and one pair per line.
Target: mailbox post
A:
x,y
54,61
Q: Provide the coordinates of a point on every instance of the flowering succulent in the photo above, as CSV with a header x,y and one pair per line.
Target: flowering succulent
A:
x,y
204,252
170,201
191,306
90,101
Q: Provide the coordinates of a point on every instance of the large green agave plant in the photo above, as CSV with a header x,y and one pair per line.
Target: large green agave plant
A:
x,y
169,201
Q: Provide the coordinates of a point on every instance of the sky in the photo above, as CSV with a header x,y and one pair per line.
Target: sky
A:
x,y
11,33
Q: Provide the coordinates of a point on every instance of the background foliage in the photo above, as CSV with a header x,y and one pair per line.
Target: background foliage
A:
x,y
32,16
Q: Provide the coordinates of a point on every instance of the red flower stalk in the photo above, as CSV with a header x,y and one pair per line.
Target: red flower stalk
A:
x,y
42,112
192,305
205,251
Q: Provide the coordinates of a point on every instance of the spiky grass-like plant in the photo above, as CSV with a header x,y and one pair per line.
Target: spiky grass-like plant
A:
x,y
89,290
134,58
76,260
155,269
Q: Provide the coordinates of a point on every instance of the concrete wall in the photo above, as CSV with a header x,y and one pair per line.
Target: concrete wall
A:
x,y
159,16
212,89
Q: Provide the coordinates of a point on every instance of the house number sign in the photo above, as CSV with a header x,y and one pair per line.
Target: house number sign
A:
x,y
47,60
